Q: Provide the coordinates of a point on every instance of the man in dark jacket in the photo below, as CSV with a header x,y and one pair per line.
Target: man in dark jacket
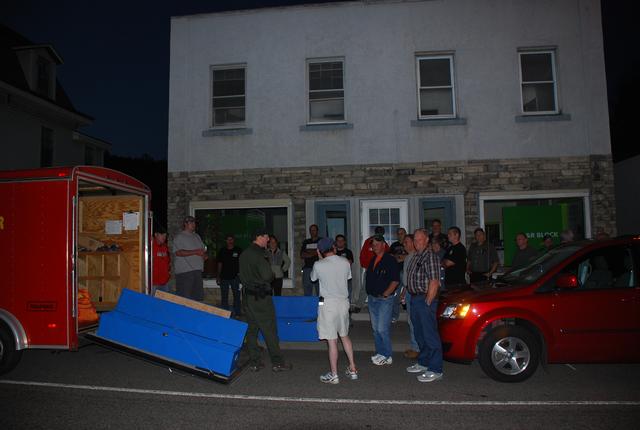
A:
x,y
256,275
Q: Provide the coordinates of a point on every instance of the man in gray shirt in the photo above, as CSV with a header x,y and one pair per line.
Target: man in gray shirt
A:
x,y
190,255
524,253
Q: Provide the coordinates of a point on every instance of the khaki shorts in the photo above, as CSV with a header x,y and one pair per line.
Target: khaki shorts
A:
x,y
333,318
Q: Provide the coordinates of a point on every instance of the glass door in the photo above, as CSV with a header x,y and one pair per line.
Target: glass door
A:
x,y
332,218
438,208
390,214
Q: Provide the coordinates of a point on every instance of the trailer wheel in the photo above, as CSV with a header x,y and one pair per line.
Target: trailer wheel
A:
x,y
9,356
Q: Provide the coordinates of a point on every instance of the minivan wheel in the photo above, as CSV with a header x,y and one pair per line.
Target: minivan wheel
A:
x,y
9,356
509,354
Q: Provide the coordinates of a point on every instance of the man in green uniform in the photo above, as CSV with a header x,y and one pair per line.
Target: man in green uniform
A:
x,y
256,275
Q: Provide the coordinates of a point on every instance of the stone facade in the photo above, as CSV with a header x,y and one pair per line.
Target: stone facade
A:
x,y
468,178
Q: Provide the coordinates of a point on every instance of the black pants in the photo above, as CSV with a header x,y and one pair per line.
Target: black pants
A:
x,y
475,277
189,285
276,286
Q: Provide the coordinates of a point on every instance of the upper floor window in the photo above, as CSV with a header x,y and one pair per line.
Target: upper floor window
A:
x,y
538,82
44,84
228,89
46,147
436,92
326,90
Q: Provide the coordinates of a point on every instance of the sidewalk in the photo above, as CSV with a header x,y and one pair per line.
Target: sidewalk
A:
x,y
361,335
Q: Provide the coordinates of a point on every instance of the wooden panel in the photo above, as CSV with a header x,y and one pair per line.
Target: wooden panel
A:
x,y
192,304
93,213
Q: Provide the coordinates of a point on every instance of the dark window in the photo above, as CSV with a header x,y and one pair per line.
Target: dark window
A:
x,y
43,85
435,87
538,82
228,96
46,147
326,91
610,267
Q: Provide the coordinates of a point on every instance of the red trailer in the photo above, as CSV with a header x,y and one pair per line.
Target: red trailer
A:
x,y
70,237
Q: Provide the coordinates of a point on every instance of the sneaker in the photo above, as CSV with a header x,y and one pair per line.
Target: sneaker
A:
x,y
376,357
417,368
383,361
429,376
330,378
255,367
351,374
282,367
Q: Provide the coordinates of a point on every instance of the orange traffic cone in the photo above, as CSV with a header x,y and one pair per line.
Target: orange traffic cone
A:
x,y
87,314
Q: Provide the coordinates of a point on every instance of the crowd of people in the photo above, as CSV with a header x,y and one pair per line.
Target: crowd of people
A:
x,y
409,273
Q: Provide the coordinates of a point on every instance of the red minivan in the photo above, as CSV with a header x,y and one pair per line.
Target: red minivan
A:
x,y
577,303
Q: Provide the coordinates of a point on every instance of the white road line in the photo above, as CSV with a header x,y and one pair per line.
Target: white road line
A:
x,y
325,400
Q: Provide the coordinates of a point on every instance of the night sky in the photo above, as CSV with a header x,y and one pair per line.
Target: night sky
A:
x,y
116,63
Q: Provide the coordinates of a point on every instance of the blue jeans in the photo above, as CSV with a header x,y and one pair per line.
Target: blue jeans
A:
x,y
224,294
413,343
309,287
395,314
380,310
425,328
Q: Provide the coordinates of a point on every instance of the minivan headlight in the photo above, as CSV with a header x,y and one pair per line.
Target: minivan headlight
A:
x,y
456,310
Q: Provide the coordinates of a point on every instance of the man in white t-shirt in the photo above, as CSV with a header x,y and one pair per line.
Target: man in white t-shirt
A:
x,y
333,273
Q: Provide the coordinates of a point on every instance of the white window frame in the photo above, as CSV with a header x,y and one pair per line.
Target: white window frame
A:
x,y
257,204
344,91
452,86
584,194
552,52
230,125
365,205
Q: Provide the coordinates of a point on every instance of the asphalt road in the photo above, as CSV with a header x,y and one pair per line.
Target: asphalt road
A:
x,y
97,388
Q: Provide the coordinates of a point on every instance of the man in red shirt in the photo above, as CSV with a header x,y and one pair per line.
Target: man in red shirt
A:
x,y
161,262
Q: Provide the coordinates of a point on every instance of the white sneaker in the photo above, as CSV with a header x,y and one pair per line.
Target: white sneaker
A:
x,y
417,368
383,361
376,357
353,375
429,376
329,378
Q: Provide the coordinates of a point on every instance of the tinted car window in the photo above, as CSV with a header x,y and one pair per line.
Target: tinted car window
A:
x,y
610,267
539,266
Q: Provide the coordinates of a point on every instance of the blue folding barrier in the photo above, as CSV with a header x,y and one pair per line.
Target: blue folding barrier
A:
x,y
174,332
296,317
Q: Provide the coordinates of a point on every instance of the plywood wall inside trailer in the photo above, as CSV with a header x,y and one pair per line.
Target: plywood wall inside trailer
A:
x,y
95,211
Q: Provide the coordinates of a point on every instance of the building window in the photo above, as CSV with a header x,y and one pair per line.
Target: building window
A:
x,y
228,89
326,91
43,76
538,82
436,92
216,220
46,147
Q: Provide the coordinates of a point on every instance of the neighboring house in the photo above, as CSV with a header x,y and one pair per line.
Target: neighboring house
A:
x,y
356,114
37,120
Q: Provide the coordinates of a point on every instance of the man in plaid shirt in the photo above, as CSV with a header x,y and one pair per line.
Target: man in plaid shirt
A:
x,y
423,281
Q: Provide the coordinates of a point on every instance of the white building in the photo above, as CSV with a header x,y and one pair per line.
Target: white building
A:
x,y
37,120
357,114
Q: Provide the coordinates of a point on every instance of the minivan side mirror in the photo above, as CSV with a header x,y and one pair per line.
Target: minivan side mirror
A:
x,y
567,280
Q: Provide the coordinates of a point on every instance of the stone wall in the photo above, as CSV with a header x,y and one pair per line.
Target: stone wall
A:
x,y
454,177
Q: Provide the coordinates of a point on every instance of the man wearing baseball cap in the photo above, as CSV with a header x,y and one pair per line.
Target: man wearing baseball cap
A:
x,y
257,305
333,273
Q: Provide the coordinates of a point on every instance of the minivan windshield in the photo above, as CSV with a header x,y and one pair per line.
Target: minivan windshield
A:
x,y
541,265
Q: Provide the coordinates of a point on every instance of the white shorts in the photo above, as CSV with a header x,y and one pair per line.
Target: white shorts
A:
x,y
333,318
